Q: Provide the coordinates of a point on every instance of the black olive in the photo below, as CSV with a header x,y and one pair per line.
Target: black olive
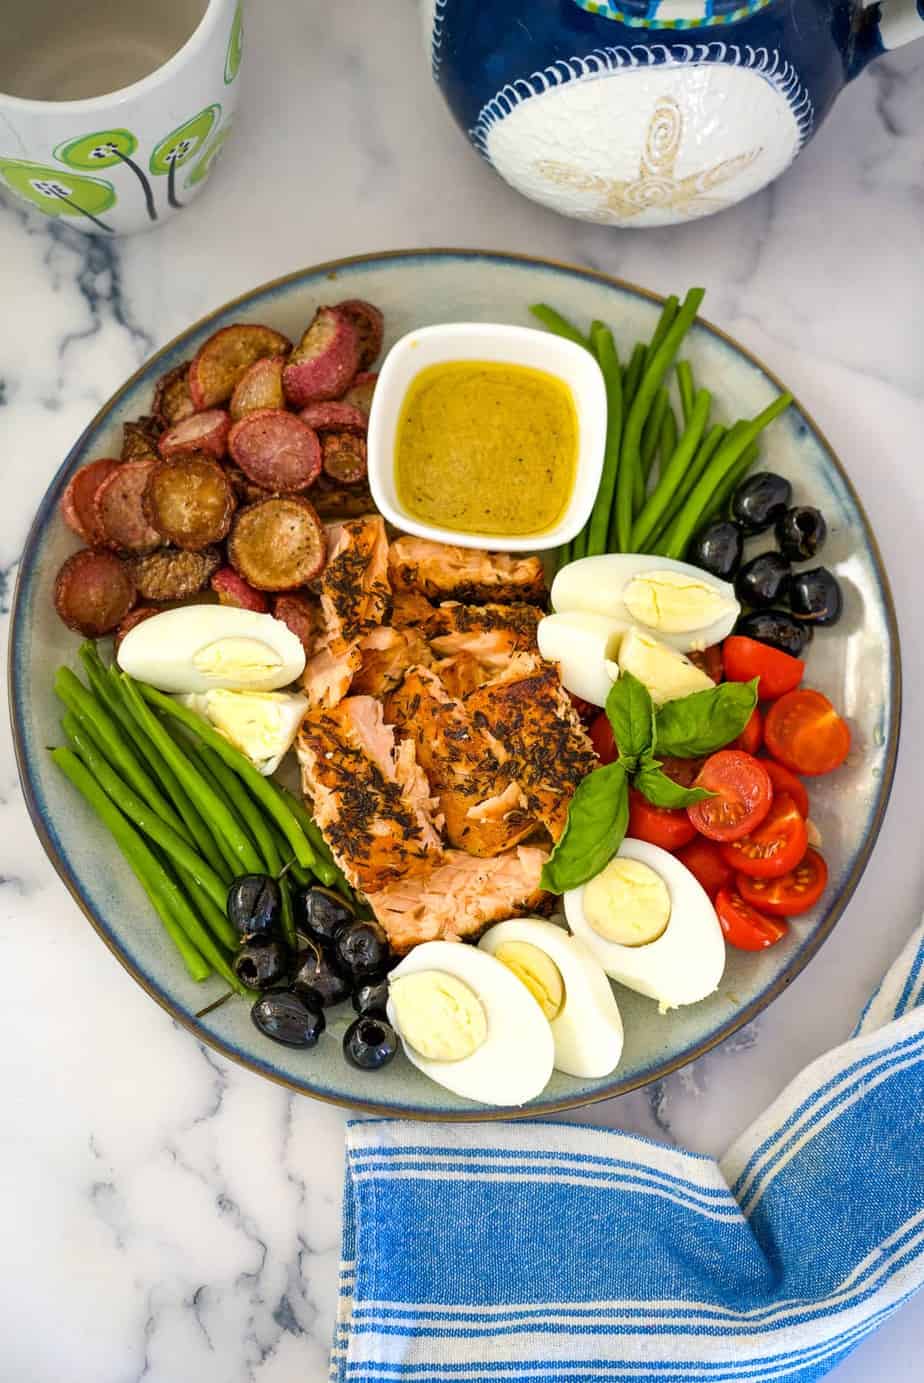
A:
x,y
717,548
371,997
760,500
800,533
255,905
816,597
369,1042
319,978
261,963
776,628
321,912
362,950
286,1018
764,580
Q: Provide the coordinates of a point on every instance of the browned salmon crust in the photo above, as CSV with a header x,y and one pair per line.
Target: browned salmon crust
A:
x,y
355,597
386,655
441,572
491,633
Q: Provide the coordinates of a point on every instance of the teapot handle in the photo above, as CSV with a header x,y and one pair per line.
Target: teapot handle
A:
x,y
901,21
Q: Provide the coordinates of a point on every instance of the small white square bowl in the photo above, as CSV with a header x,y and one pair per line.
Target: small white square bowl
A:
x,y
512,345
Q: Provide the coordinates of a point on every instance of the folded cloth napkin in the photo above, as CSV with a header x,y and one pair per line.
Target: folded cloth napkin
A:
x,y
549,1252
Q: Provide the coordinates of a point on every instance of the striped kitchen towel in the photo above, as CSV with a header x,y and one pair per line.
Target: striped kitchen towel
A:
x,y
549,1252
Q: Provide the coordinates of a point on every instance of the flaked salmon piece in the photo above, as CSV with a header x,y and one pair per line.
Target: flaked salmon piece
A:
x,y
355,595
491,633
531,718
386,654
371,798
409,607
327,676
483,806
442,572
462,674
460,897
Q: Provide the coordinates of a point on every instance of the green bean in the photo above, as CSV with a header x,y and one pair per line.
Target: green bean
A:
x,y
146,868
324,866
730,484
215,917
665,322
261,788
687,388
250,813
735,444
288,915
669,437
229,854
633,374
704,454
672,474
651,437
560,325
210,803
579,544
608,360
655,371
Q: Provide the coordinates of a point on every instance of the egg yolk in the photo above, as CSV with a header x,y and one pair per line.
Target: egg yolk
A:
x,y
438,1015
534,968
627,902
673,602
241,658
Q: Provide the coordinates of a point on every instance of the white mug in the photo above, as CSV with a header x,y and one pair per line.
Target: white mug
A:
x,y
111,113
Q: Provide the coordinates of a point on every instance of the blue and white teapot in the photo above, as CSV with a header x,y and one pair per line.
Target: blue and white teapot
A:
x,y
650,112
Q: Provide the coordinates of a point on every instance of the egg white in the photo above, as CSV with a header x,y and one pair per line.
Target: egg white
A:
x,y
246,651
687,961
515,1062
588,1031
585,647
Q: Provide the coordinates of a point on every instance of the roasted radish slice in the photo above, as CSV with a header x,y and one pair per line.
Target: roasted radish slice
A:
x,y
139,439
189,500
226,357
94,591
260,386
78,503
276,449
277,544
120,518
370,328
335,416
172,399
325,360
206,432
298,612
343,457
232,589
173,575
359,394
136,616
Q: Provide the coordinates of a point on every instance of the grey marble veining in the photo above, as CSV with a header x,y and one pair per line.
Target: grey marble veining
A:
x,y
167,1216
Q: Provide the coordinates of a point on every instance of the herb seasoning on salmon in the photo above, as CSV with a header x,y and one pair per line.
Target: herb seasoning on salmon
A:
x,y
487,447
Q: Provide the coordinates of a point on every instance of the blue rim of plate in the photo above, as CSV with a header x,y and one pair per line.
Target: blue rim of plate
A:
x,y
48,836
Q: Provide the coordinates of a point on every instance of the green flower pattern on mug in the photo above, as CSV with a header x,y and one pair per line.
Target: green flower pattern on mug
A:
x,y
106,149
182,145
58,194
235,46
204,166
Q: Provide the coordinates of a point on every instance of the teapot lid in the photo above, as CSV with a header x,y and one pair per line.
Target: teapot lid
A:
x,y
674,14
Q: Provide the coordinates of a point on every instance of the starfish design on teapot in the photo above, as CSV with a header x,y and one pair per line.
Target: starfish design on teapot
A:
x,y
656,187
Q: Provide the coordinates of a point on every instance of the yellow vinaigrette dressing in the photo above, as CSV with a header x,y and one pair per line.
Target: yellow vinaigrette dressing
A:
x,y
487,447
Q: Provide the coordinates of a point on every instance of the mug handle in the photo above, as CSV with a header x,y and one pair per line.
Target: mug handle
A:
x,y
900,22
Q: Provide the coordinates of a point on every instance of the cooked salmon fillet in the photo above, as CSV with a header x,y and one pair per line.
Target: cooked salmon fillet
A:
x,y
529,717
460,897
409,607
491,633
482,804
355,596
386,654
371,799
462,674
442,572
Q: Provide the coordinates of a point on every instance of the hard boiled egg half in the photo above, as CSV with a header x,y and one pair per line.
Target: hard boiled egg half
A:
x,y
261,725
569,985
651,925
197,647
676,603
468,1023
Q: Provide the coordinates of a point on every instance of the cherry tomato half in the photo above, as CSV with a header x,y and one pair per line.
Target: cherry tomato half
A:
x,y
709,661
785,781
752,736
682,771
705,861
743,796
745,927
601,737
775,847
586,710
662,826
805,733
746,658
790,895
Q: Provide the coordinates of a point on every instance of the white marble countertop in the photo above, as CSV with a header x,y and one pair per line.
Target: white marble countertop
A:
x,y
169,1216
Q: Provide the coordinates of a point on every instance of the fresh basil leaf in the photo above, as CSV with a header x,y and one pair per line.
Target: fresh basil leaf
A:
x,y
630,712
704,721
662,791
597,820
